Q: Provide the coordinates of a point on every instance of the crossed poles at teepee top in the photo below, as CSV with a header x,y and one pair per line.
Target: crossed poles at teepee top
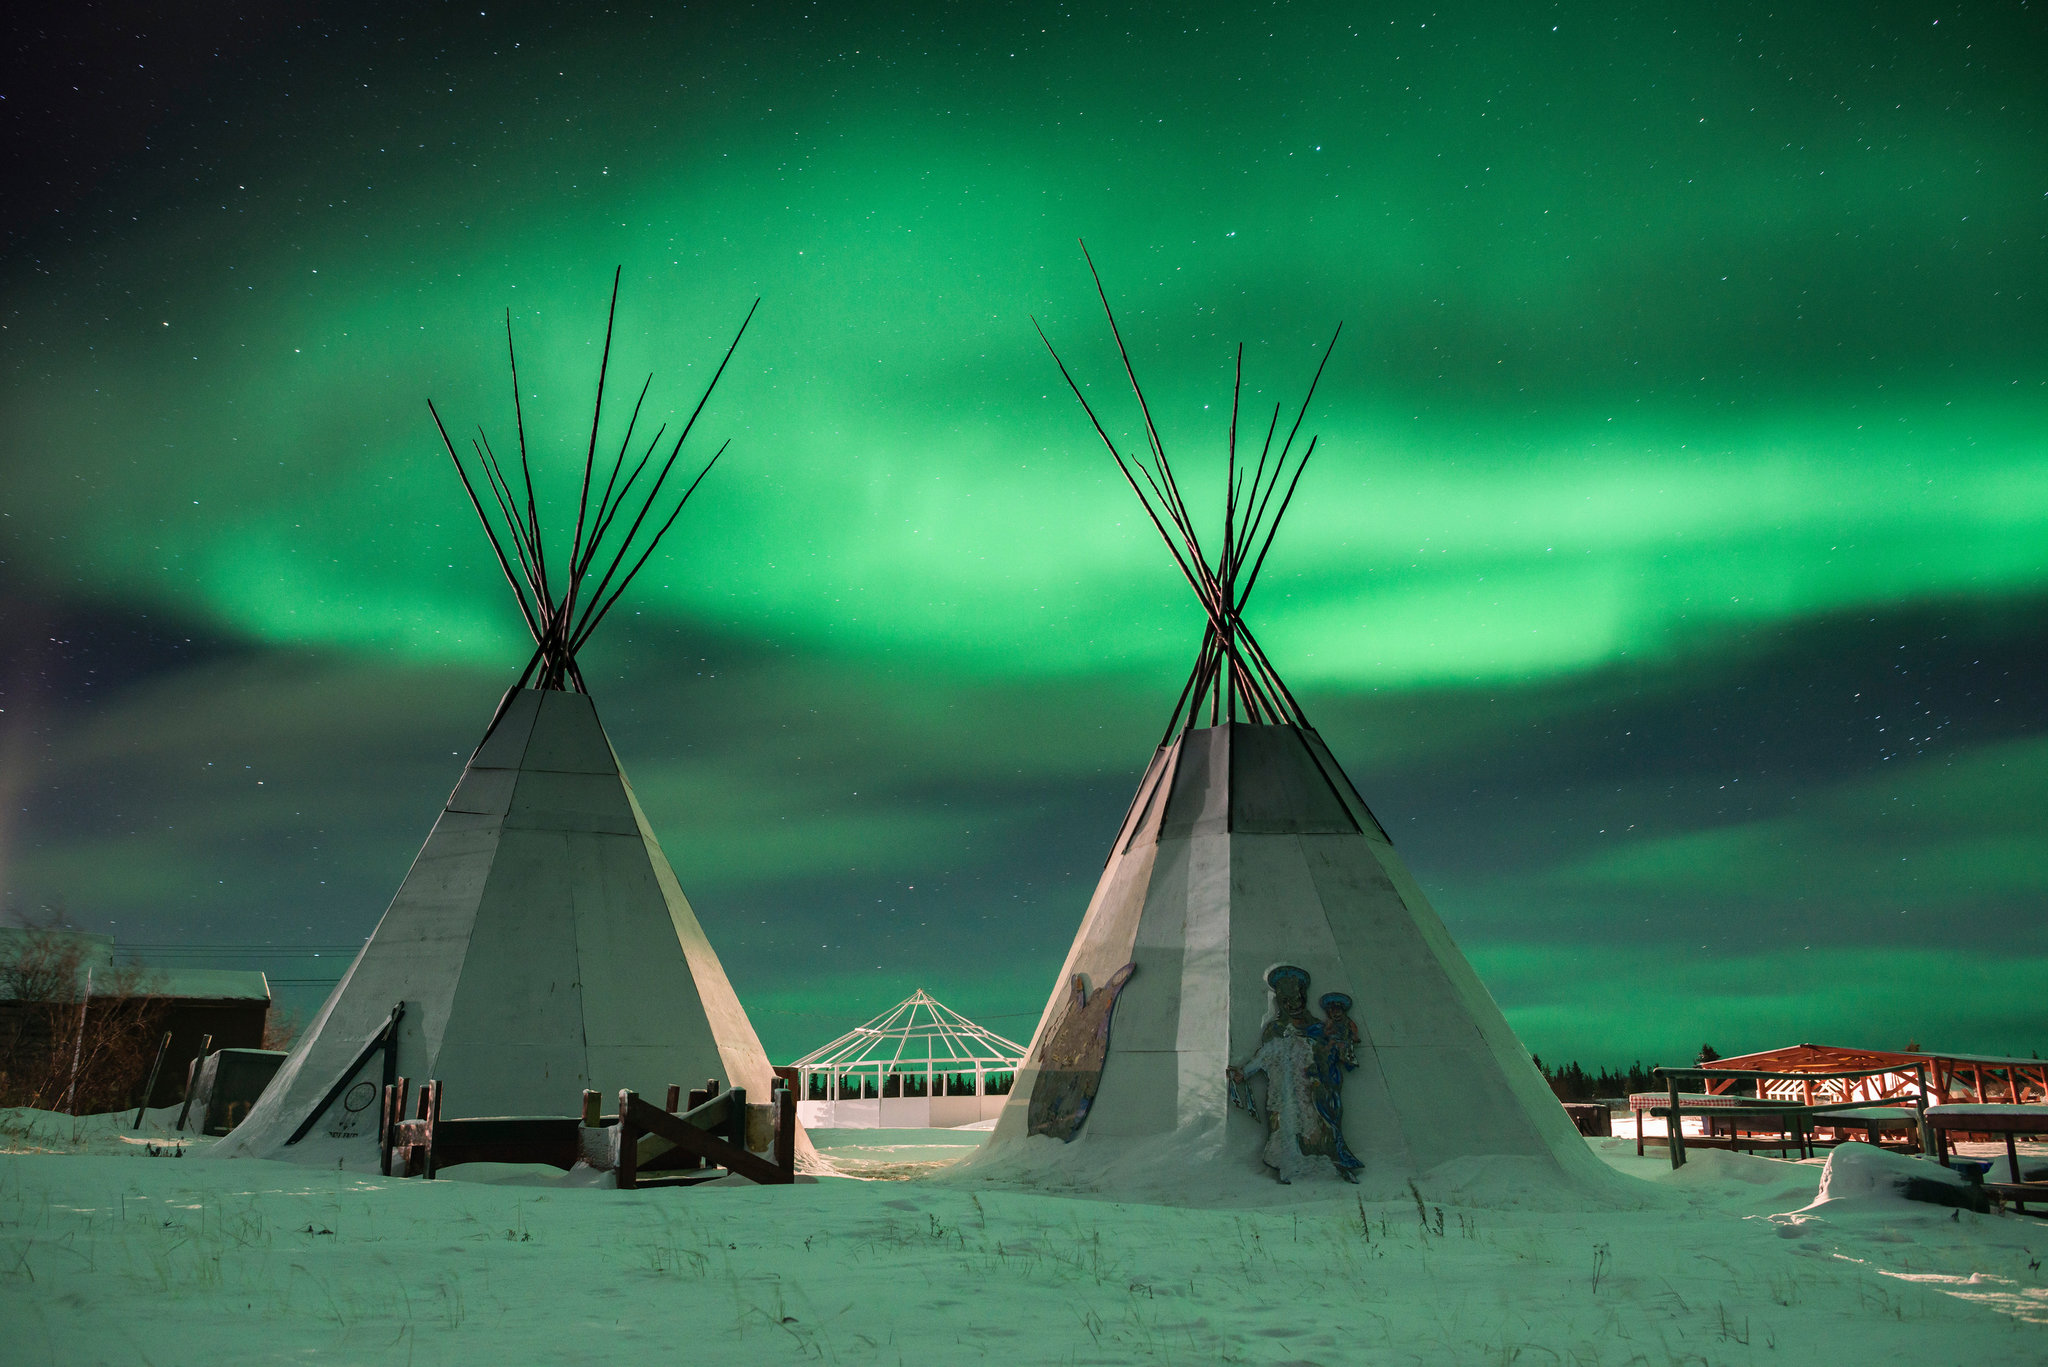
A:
x,y
561,623
1249,681
1231,672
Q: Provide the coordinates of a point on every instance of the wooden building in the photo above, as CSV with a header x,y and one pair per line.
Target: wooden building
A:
x,y
1951,1078
81,1032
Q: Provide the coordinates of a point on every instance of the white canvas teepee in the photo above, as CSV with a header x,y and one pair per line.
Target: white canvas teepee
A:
x,y
541,944
1259,989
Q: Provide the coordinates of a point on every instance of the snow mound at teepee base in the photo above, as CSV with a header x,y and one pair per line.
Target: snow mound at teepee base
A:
x,y
1862,1177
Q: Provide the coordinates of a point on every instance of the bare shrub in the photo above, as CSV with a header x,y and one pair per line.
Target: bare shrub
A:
x,y
83,1037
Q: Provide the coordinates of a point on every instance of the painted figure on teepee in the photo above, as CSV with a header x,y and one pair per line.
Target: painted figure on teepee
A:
x,y
1336,1037
540,944
1304,1060
1246,844
1069,1057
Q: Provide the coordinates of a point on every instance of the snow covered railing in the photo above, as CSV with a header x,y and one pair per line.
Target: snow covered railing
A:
x,y
1794,1117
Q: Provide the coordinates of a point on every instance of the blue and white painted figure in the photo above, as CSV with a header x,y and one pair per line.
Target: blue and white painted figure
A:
x,y
1296,1052
1336,1053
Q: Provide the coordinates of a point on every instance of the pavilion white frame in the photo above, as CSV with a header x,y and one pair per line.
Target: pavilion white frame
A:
x,y
895,1070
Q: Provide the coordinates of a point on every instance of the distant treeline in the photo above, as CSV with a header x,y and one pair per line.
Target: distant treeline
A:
x,y
1573,1083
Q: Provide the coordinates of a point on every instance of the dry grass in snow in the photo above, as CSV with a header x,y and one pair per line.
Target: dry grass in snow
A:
x,y
110,1255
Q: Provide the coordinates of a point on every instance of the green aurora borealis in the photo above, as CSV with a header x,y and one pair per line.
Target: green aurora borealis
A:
x,y
1670,576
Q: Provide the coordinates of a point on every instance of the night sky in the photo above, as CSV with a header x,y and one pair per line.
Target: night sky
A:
x,y
1667,577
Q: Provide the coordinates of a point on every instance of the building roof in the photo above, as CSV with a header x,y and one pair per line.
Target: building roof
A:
x,y
209,984
95,958
917,1034
1795,1058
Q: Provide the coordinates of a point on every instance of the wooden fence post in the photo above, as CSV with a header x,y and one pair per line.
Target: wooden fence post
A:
x,y
736,1118
401,1101
1920,1110
785,1130
1675,1131
628,1168
430,1112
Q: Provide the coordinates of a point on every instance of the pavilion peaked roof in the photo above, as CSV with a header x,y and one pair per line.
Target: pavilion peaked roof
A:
x,y
918,1030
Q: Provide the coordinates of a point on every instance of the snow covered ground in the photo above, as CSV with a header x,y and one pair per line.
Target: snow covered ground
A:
x,y
110,1254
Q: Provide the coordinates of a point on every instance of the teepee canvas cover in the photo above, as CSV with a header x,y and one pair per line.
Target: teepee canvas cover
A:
x,y
1248,859
540,944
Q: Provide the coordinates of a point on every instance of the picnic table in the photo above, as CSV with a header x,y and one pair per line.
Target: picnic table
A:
x,y
1789,1115
1793,1117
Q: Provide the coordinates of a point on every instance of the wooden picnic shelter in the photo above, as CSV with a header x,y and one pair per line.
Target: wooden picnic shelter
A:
x,y
1978,1079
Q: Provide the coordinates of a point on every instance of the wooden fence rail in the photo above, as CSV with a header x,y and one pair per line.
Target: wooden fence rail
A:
x,y
698,1145
1799,1114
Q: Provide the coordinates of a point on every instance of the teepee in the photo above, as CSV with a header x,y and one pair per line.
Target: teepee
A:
x,y
540,944
1259,989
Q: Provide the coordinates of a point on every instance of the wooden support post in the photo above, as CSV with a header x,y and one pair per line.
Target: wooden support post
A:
x,y
191,1074
2012,1157
150,1086
675,1098
590,1110
386,1117
430,1112
400,1100
628,1168
1920,1110
736,1118
1675,1128
698,1096
191,1077
785,1130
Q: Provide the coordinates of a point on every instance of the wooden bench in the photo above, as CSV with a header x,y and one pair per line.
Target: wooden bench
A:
x,y
1987,1119
700,1144
1876,1122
